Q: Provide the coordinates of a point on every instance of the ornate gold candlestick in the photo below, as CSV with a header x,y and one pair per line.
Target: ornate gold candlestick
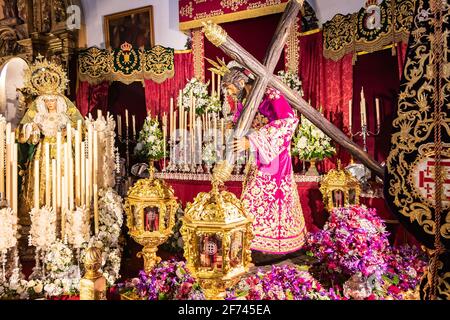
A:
x,y
93,284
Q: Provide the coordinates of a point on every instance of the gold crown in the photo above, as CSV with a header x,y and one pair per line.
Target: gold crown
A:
x,y
126,46
45,77
220,67
371,3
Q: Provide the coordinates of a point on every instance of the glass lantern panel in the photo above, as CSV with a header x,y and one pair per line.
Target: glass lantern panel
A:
x,y
137,221
210,248
338,198
236,249
151,218
352,196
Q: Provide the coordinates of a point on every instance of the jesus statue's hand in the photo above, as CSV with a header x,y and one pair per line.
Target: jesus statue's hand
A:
x,y
241,145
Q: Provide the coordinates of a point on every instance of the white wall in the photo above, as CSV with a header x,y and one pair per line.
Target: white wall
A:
x,y
165,16
327,9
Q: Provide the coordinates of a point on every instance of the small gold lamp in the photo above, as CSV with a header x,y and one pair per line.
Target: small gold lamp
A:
x,y
217,233
339,188
150,207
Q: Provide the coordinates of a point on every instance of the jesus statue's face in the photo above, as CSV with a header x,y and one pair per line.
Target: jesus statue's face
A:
x,y
237,91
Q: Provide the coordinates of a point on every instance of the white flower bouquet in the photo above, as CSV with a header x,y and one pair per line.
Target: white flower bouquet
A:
x,y
209,154
203,101
292,80
150,143
43,227
310,143
8,229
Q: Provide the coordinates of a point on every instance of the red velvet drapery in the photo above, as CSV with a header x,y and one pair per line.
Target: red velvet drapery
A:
x,y
157,95
91,98
401,57
327,84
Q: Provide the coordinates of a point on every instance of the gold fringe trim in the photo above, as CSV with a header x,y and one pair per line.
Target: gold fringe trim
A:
x,y
229,17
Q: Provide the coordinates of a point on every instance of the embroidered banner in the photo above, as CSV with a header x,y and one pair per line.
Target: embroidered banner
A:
x,y
370,29
194,12
126,64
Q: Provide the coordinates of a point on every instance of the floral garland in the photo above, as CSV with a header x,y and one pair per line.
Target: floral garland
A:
x,y
280,283
150,143
310,143
203,102
169,280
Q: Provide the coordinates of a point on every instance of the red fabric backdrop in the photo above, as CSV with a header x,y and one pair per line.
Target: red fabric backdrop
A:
x,y
377,73
157,96
254,35
91,98
327,84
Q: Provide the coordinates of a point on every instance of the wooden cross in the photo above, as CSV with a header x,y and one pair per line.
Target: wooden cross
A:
x,y
264,72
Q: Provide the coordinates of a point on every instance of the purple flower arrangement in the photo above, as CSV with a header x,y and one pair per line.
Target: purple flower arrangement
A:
x,y
354,240
169,280
405,267
280,283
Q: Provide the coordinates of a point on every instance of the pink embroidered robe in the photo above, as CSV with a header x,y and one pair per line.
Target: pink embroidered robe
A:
x,y
270,192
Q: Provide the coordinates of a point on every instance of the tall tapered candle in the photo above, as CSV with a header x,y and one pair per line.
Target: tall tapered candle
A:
x,y
174,123
171,119
54,194
36,184
66,175
14,205
126,120
222,130
90,160
218,85
95,190
63,206
119,125
47,174
350,114
213,84
133,120
2,158
83,173
185,136
215,130
77,168
59,151
363,108
7,164
377,106
199,136
88,169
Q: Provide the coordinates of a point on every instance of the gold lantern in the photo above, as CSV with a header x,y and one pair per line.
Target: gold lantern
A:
x,y
217,233
150,208
339,188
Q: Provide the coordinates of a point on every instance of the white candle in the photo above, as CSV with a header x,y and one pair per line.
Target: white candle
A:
x,y
47,174
91,164
83,174
77,169
363,108
88,169
171,119
58,170
119,125
377,106
14,180
2,159
7,163
213,84
63,207
66,175
133,119
218,85
99,113
96,218
36,184
54,194
126,120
